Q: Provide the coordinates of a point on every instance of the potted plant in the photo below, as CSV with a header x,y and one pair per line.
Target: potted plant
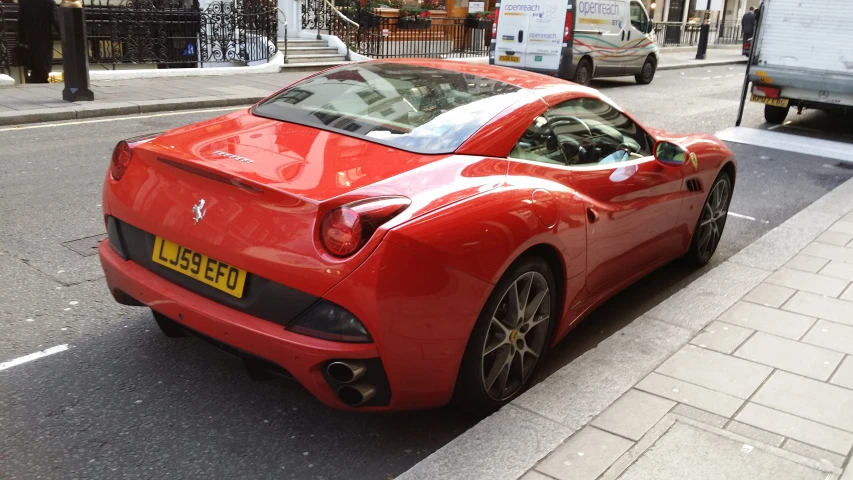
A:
x,y
480,20
414,19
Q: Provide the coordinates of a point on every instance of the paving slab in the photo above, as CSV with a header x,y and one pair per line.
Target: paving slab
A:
x,y
807,263
700,415
585,456
847,295
633,414
830,252
689,394
844,376
829,308
842,226
769,295
722,337
839,270
807,398
709,369
835,238
758,434
808,282
792,426
790,355
809,451
770,320
689,452
831,335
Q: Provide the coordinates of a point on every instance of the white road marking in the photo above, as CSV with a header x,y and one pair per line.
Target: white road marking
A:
x,y
33,356
118,119
788,142
747,217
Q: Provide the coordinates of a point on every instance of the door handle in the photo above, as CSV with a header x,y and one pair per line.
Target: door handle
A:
x,y
520,36
629,35
623,35
592,215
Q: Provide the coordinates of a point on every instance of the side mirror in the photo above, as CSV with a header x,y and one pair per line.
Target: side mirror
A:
x,y
651,27
670,154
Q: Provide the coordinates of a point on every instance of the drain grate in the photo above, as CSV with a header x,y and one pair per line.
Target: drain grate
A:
x,y
86,246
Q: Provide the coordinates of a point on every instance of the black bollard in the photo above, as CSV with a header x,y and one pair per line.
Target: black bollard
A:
x,y
75,54
704,33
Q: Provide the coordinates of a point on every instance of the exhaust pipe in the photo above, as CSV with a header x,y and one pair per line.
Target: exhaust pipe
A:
x,y
356,395
346,372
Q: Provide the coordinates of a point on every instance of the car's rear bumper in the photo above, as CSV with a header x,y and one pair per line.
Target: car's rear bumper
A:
x,y
304,358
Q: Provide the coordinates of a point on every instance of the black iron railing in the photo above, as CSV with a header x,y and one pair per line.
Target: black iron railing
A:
x,y
173,35
5,49
670,34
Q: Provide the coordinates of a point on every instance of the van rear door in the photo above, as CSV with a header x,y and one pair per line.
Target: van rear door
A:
x,y
545,37
513,25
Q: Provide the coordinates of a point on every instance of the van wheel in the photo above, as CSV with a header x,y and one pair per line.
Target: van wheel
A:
x,y
647,74
583,72
775,115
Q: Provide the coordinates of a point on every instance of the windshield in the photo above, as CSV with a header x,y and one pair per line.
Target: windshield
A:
x,y
420,109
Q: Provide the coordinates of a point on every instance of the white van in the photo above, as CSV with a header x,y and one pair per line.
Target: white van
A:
x,y
608,38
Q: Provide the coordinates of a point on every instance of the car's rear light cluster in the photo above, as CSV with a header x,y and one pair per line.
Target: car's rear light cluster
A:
x,y
345,229
567,31
765,91
123,154
495,21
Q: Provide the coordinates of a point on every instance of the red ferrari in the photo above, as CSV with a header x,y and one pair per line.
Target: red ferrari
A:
x,y
399,234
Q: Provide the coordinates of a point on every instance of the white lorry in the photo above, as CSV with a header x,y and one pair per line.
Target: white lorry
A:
x,y
800,57
575,39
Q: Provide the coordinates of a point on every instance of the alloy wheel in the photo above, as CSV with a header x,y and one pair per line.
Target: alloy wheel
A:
x,y
713,219
516,336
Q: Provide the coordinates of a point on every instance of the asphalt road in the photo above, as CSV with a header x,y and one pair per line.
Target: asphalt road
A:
x,y
125,402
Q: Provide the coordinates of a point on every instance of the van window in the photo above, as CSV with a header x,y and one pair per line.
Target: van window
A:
x,y
638,17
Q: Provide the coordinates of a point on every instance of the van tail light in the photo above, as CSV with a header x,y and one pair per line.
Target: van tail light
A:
x,y
495,22
567,31
123,154
764,91
347,228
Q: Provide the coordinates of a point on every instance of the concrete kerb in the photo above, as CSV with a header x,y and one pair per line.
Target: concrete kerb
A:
x,y
123,108
455,460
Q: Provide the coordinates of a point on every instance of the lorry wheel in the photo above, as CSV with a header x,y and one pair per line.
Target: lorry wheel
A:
x,y
648,72
583,73
775,115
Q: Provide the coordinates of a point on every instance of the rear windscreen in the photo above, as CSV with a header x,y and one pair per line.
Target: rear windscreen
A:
x,y
414,108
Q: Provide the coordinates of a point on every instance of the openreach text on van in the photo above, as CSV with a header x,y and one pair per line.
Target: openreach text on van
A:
x,y
599,8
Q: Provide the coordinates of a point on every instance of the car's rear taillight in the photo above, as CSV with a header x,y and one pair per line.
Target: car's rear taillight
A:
x,y
567,31
345,229
123,154
495,22
765,91
121,159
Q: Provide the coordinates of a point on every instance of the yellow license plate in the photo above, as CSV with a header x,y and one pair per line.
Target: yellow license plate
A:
x,y
509,58
218,275
775,102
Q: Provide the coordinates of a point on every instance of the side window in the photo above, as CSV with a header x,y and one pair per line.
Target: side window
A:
x,y
638,17
589,131
539,144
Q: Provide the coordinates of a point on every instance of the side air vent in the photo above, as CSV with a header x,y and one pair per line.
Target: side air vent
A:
x,y
693,185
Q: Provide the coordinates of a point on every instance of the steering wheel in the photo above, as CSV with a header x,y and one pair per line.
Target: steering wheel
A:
x,y
556,121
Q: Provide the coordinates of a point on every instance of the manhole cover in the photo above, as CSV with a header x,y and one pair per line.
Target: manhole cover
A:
x,y
86,246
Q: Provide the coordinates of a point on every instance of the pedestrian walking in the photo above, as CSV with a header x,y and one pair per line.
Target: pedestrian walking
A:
x,y
747,25
35,35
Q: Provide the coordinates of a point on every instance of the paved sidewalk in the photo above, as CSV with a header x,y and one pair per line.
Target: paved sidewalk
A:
x,y
747,373
43,103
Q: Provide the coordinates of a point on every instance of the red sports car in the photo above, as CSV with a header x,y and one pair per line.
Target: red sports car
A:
x,y
399,234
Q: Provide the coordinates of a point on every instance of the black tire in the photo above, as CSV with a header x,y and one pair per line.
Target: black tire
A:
x,y
775,115
471,394
583,72
698,254
647,74
169,327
